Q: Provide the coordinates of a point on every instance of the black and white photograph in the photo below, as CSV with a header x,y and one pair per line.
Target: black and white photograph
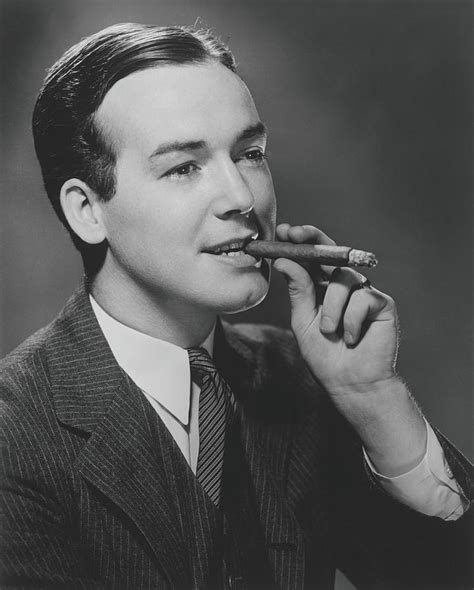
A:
x,y
236,295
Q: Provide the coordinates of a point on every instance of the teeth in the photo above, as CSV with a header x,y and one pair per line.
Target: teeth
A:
x,y
234,248
232,253
228,247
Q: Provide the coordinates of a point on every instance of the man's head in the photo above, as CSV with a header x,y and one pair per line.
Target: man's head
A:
x,y
152,151
68,139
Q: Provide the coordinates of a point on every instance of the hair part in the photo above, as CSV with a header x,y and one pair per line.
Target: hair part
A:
x,y
68,141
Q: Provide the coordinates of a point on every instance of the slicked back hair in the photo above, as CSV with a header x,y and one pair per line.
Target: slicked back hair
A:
x,y
68,142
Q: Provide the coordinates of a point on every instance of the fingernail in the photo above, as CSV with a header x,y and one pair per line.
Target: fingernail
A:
x,y
349,339
327,324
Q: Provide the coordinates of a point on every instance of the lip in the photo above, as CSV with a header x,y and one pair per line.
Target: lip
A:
x,y
236,257
237,242
240,260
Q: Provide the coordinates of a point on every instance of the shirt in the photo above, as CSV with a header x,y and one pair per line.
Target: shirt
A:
x,y
161,370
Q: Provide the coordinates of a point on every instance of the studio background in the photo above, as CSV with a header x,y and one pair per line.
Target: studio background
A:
x,y
369,110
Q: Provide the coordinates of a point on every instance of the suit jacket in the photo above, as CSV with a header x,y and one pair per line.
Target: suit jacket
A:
x,y
96,493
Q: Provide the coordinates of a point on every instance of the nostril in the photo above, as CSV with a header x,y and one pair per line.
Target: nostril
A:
x,y
246,212
237,212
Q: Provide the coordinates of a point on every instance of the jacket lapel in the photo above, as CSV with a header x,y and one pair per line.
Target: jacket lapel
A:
x,y
266,432
121,458
127,454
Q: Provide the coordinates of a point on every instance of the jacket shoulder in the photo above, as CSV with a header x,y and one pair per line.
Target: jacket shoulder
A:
x,y
274,355
258,337
27,361
25,388
24,351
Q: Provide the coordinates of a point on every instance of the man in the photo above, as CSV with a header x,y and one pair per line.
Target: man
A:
x,y
130,461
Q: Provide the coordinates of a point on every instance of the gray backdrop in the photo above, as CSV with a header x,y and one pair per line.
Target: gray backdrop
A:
x,y
368,105
369,108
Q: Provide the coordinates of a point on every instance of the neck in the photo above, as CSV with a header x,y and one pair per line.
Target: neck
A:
x,y
154,315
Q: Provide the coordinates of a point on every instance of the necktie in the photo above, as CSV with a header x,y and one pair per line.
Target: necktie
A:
x,y
215,407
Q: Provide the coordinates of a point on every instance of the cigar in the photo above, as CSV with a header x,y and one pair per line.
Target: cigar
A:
x,y
331,255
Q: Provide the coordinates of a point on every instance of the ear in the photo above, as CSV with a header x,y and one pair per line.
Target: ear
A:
x,y
81,209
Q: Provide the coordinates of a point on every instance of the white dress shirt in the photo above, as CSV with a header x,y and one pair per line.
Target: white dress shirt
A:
x,y
161,370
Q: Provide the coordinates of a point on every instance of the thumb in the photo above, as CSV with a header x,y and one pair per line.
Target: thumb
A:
x,y
301,289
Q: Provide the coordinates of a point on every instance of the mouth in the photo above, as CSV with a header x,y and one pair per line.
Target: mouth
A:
x,y
232,252
233,247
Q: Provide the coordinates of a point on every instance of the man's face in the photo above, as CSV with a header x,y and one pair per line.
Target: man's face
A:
x,y
190,164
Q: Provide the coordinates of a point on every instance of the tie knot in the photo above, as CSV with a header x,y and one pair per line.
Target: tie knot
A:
x,y
201,363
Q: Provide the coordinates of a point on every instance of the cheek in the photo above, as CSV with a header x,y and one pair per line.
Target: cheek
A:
x,y
266,206
153,233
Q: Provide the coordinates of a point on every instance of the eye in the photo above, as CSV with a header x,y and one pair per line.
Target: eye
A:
x,y
183,170
253,157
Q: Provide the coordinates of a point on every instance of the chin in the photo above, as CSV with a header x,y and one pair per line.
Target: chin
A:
x,y
236,303
254,294
249,305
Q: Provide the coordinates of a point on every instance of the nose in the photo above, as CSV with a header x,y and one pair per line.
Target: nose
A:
x,y
233,194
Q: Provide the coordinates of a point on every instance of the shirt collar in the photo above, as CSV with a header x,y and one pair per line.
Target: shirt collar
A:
x,y
159,368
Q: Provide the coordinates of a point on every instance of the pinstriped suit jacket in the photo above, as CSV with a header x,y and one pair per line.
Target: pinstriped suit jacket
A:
x,y
97,495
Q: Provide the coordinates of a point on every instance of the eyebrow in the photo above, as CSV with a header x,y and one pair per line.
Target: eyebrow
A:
x,y
257,130
250,132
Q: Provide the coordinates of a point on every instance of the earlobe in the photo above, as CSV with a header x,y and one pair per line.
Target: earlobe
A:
x,y
79,205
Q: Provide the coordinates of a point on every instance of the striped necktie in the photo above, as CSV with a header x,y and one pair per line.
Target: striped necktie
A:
x,y
215,406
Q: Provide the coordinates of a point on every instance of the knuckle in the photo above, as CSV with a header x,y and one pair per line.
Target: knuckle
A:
x,y
390,300
302,288
382,298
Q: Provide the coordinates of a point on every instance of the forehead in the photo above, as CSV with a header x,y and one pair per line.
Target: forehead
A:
x,y
173,102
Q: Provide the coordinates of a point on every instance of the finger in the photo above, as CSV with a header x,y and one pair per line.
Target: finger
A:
x,y
364,305
309,234
281,232
301,288
302,234
338,293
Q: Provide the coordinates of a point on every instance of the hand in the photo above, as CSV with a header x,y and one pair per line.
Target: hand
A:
x,y
348,336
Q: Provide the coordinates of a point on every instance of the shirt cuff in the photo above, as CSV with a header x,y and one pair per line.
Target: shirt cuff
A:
x,y
430,487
